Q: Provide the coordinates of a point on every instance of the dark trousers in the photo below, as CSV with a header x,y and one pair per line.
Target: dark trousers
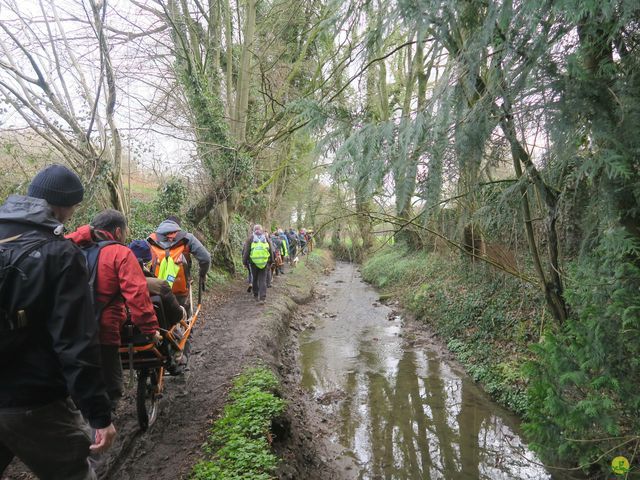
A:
x,y
52,441
259,277
112,373
185,301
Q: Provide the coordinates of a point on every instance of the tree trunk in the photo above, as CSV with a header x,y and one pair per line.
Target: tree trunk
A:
x,y
223,251
244,75
553,288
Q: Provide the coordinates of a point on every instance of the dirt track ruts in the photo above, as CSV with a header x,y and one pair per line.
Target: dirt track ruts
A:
x,y
232,332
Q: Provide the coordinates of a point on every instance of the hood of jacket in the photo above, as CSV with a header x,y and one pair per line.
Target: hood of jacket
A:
x,y
30,211
168,226
259,238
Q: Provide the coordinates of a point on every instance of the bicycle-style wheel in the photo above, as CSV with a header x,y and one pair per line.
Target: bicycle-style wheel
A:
x,y
148,397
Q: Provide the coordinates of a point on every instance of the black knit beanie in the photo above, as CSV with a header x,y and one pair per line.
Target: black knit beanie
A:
x,y
58,185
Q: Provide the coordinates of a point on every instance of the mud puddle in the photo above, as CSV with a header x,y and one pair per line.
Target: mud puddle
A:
x,y
398,409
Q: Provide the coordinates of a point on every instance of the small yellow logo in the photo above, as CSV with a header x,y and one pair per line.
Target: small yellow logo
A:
x,y
620,465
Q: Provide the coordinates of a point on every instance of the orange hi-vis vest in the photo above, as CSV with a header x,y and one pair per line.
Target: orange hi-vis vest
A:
x,y
178,251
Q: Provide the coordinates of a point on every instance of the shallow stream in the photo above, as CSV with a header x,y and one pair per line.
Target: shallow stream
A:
x,y
402,412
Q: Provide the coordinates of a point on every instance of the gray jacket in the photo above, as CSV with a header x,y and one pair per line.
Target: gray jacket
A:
x,y
195,246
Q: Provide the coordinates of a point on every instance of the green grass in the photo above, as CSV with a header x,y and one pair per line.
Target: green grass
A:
x,y
487,318
238,444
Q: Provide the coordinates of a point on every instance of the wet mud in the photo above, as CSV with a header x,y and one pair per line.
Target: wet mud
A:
x,y
233,332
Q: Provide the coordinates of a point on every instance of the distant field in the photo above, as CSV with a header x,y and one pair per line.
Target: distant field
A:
x,y
143,187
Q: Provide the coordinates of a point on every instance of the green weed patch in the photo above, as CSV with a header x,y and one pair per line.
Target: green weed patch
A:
x,y
238,447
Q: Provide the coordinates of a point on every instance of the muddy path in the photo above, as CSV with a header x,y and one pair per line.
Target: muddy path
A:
x,y
233,332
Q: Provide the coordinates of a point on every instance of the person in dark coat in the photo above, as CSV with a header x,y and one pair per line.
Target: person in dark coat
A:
x,y
279,253
49,351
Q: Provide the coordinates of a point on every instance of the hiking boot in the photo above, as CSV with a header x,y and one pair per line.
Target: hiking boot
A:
x,y
175,370
249,288
262,302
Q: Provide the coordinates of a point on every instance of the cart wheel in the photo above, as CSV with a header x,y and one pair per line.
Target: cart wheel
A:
x,y
147,397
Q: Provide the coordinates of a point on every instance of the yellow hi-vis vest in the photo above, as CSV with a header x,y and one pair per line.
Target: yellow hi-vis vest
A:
x,y
260,254
168,270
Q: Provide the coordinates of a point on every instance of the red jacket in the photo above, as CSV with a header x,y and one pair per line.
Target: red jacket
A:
x,y
119,272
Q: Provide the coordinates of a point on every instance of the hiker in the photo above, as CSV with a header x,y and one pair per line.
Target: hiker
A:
x,y
119,287
173,311
245,247
270,264
257,255
171,250
310,240
279,253
302,241
285,240
48,344
293,245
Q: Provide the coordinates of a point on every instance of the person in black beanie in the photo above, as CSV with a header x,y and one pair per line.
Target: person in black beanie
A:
x,y
49,352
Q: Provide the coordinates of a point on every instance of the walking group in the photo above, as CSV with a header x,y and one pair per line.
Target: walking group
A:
x,y
64,300
264,255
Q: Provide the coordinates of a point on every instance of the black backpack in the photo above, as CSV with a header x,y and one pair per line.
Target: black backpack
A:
x,y
91,254
13,316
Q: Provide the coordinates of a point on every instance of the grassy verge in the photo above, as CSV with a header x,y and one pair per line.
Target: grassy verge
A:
x,y
238,447
300,280
487,318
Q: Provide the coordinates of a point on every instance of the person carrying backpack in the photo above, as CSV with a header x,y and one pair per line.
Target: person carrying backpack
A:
x,y
170,311
257,255
293,244
285,241
279,252
302,241
120,286
173,311
49,349
171,250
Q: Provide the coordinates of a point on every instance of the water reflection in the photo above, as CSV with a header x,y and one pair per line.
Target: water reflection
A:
x,y
403,413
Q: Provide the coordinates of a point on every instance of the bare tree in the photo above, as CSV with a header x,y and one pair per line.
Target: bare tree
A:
x,y
58,76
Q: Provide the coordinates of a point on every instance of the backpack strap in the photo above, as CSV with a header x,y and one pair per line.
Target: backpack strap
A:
x,y
93,256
